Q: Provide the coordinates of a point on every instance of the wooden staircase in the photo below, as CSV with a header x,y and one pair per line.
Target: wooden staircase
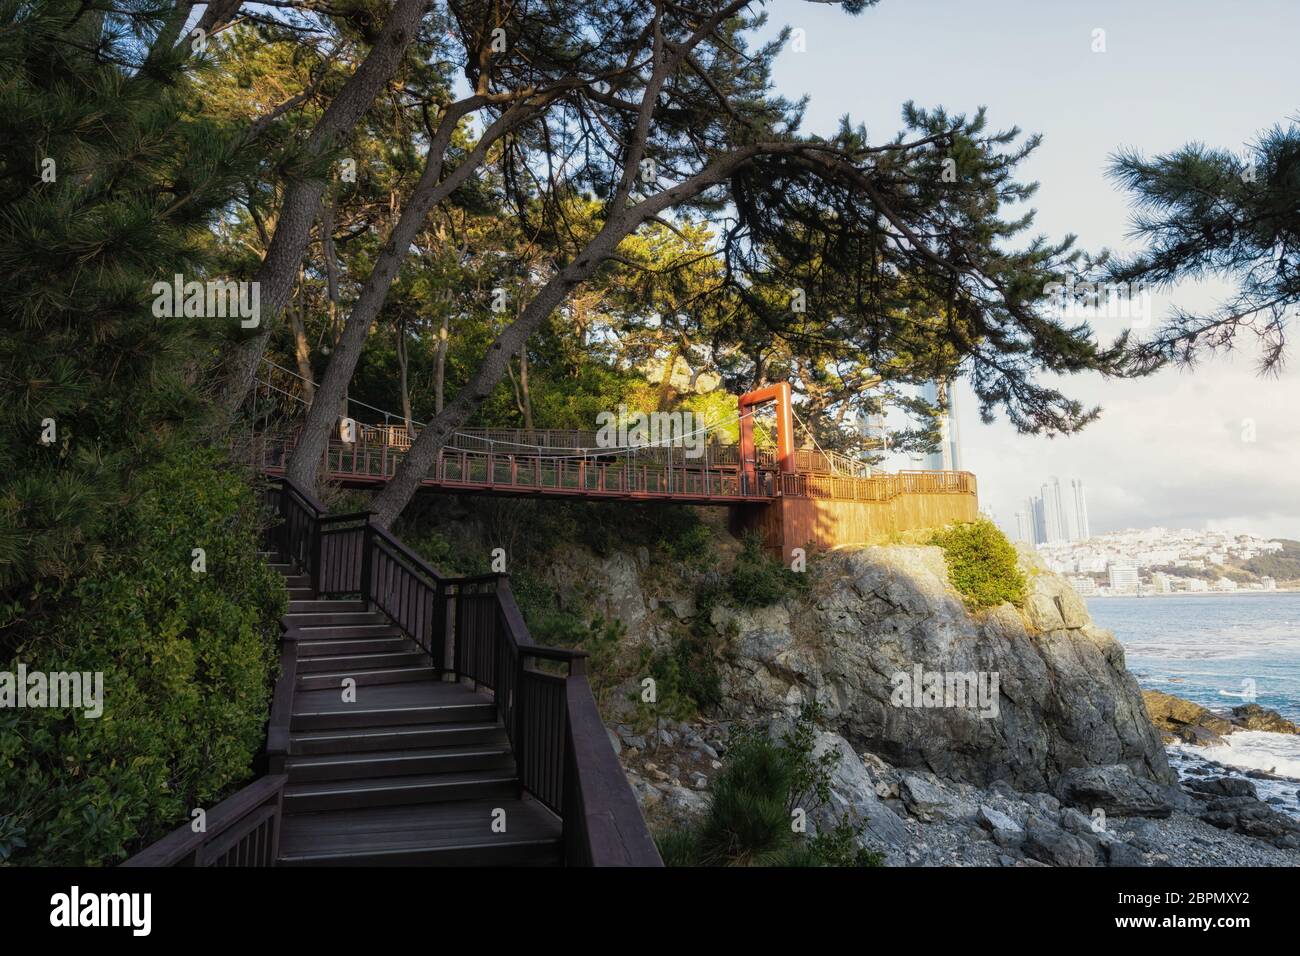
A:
x,y
407,768
414,721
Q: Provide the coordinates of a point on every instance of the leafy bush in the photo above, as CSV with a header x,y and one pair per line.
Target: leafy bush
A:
x,y
982,564
748,821
683,537
690,670
758,579
187,659
751,805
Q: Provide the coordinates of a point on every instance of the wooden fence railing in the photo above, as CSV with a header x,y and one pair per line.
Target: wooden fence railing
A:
x,y
242,830
458,469
880,487
471,629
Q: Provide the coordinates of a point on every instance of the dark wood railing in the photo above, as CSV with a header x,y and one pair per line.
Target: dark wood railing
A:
x,y
242,830
472,629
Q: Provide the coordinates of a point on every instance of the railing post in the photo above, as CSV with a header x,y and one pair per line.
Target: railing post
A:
x,y
282,533
367,547
315,555
517,741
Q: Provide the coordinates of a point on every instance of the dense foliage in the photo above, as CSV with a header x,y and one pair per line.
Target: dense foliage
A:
x,y
982,564
187,660
1204,212
112,178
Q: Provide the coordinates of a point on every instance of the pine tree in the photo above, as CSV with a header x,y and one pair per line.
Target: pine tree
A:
x,y
109,183
1205,212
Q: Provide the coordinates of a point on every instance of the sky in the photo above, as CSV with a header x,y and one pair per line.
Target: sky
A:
x,y
1172,449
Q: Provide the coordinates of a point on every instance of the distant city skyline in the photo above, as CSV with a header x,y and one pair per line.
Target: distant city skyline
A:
x,y
1054,514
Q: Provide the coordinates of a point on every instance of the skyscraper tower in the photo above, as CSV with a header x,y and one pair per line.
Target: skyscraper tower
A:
x,y
1080,504
942,395
1058,513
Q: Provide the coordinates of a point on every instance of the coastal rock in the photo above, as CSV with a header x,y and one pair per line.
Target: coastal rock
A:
x,y
854,796
1179,719
1116,789
994,820
1198,736
1221,787
1171,715
928,800
1255,717
1121,854
1064,697
1048,843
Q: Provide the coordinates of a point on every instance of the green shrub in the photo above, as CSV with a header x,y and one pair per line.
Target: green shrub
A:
x,y
188,661
748,821
758,579
684,538
751,804
982,564
679,847
689,670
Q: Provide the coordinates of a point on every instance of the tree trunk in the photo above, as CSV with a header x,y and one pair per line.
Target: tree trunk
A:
x,y
314,437
440,364
301,199
524,391
403,367
301,345
331,257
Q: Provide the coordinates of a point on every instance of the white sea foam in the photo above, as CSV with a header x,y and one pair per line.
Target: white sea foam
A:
x,y
1253,750
1259,750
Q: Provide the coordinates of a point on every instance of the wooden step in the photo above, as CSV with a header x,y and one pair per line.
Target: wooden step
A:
x,y
487,784
457,833
339,632
297,581
385,640
371,739
325,606
358,715
333,619
301,594
332,663
364,677
284,567
397,763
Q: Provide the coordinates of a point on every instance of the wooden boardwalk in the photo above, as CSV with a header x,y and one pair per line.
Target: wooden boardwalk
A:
x,y
412,769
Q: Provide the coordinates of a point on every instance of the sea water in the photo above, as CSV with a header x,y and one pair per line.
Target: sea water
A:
x,y
1212,650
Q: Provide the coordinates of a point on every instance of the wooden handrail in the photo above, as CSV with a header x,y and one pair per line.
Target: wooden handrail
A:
x,y
407,553
603,825
277,729
183,845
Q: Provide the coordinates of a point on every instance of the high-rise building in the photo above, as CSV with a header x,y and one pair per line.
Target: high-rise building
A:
x,y
1056,514
1080,504
943,396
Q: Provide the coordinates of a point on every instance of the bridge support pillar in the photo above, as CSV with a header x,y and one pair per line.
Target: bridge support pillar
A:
x,y
780,395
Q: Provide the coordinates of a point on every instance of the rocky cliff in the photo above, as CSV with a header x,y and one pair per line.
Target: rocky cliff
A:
x,y
1064,698
1051,759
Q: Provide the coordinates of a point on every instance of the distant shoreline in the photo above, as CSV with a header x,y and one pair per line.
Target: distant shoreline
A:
x,y
1181,594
